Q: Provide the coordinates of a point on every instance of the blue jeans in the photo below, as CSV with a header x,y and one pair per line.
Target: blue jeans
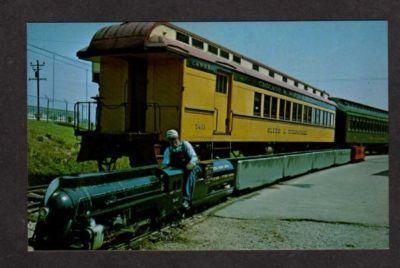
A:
x,y
190,183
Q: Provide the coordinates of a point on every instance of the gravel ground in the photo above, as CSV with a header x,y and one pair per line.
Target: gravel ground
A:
x,y
206,234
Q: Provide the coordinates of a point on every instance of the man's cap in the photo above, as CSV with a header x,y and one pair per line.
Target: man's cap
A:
x,y
171,134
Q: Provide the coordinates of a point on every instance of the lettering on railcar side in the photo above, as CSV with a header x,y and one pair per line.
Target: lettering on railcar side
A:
x,y
286,131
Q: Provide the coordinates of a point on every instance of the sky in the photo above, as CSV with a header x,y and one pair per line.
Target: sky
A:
x,y
348,59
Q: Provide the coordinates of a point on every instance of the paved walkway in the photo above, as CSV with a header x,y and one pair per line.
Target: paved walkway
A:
x,y
354,193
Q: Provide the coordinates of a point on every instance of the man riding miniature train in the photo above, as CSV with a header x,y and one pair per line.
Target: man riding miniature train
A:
x,y
180,154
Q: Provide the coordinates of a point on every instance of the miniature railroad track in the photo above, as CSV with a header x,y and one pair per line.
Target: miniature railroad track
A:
x,y
35,197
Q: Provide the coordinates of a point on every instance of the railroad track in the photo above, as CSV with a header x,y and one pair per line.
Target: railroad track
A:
x,y
167,232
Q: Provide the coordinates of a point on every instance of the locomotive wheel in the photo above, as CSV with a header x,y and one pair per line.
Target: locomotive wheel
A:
x,y
106,164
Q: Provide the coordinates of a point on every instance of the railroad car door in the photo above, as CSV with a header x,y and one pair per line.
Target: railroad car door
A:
x,y
137,87
222,103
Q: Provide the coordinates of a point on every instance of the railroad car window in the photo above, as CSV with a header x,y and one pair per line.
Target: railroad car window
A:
x,y
323,118
299,112
317,116
222,83
328,119
197,43
333,120
296,84
271,73
356,124
274,104
257,104
255,67
287,113
284,79
307,114
182,37
294,110
314,116
305,87
237,59
281,109
224,54
267,106
305,117
213,49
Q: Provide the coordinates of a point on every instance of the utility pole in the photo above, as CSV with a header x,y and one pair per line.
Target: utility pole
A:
x,y
86,86
54,74
36,68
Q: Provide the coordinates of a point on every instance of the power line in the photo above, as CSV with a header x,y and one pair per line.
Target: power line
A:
x,y
59,55
58,41
80,67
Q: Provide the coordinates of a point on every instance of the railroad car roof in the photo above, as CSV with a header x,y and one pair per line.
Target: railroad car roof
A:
x,y
131,37
356,108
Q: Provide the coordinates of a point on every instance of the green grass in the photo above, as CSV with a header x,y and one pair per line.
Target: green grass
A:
x,y
52,152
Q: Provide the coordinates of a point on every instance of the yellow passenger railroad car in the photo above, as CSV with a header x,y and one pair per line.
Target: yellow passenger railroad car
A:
x,y
157,76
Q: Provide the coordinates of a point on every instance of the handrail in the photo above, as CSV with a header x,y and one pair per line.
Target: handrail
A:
x,y
80,106
78,113
216,123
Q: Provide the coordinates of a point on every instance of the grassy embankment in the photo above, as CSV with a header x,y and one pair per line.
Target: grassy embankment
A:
x,y
52,152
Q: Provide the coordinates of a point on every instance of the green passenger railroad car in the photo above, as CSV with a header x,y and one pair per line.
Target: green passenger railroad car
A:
x,y
360,124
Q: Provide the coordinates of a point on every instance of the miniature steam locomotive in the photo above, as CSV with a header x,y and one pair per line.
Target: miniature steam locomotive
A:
x,y
84,211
